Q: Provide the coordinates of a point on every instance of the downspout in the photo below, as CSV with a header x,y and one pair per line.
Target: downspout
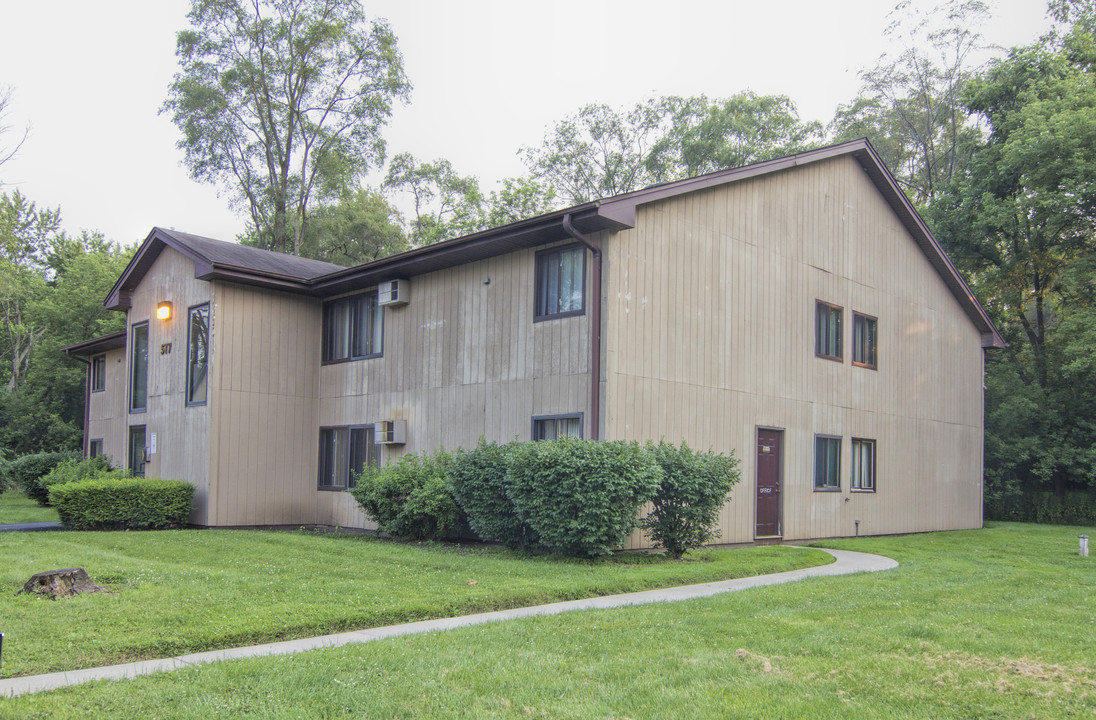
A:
x,y
595,329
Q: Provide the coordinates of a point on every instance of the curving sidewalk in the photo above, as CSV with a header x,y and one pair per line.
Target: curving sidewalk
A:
x,y
846,562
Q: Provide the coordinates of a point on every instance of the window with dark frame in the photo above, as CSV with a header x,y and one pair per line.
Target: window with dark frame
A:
x,y
551,427
95,447
560,282
353,328
827,330
138,381
137,451
99,373
863,340
863,465
197,354
827,462
344,451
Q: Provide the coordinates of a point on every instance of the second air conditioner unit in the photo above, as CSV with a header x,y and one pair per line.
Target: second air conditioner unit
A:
x,y
393,293
390,432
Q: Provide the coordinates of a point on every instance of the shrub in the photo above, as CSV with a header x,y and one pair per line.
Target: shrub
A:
x,y
410,498
479,480
6,483
27,470
122,503
72,470
581,496
686,507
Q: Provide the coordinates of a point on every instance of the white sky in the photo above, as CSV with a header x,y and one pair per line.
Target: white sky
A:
x,y
490,76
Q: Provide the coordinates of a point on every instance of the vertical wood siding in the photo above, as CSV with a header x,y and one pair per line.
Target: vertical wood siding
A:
x,y
711,302
107,409
182,433
462,360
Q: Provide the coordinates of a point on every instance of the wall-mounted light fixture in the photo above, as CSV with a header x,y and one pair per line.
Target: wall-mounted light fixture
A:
x,y
163,310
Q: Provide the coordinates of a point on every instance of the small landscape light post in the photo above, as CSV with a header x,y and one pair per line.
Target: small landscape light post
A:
x,y
1084,545
1,651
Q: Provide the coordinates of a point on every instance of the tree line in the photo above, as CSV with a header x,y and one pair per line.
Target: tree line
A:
x,y
283,103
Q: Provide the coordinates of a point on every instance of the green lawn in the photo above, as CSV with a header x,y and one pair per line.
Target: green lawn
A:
x,y
996,623
15,507
176,592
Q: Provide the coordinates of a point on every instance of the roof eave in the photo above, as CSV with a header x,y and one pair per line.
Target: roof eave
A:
x,y
97,345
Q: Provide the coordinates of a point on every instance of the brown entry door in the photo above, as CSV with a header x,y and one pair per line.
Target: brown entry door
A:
x,y
768,483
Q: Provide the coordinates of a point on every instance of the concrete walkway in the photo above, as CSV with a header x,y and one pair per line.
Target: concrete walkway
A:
x,y
847,562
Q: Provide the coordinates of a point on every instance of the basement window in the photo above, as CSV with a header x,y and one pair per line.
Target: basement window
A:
x,y
551,427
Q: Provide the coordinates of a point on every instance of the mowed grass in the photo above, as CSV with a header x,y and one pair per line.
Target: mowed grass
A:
x,y
995,623
15,507
176,592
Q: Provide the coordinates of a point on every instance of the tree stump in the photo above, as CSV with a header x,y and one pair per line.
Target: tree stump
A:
x,y
61,583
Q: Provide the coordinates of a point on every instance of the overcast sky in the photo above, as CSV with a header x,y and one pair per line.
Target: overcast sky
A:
x,y
490,76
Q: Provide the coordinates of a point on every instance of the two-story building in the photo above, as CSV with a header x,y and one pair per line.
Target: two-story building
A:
x,y
797,312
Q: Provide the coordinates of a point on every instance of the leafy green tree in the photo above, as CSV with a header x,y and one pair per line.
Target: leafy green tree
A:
x,y
709,135
519,198
360,229
911,103
282,102
445,203
601,151
1021,221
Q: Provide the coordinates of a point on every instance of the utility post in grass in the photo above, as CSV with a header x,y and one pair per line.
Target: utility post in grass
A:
x,y
1084,545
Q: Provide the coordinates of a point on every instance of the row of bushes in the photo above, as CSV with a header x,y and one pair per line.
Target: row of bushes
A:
x,y
1074,508
574,497
89,495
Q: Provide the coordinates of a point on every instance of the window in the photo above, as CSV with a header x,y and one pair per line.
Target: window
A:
x,y
137,451
344,451
560,285
863,465
197,355
353,328
99,373
827,331
95,448
827,462
138,381
863,340
550,427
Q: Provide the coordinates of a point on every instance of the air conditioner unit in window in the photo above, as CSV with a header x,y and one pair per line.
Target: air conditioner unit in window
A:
x,y
392,293
390,432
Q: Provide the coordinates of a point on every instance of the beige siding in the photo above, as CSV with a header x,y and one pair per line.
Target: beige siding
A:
x,y
107,409
463,359
263,401
711,335
182,432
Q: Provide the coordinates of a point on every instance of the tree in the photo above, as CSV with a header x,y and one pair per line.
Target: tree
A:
x,y
7,153
1021,221
519,198
446,204
282,103
709,135
362,228
910,104
600,151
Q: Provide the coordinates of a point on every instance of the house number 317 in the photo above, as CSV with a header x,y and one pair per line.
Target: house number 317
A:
x,y
165,349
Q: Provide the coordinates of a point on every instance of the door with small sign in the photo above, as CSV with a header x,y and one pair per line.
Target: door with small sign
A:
x,y
768,483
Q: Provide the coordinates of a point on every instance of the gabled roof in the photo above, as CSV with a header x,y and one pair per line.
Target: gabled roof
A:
x,y
227,261
214,259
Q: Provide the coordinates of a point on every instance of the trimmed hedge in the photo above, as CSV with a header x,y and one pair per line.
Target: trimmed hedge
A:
x,y
582,497
123,503
479,480
694,488
27,470
410,498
